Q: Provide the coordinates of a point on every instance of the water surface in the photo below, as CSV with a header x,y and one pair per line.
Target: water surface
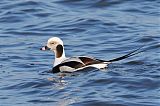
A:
x,y
103,29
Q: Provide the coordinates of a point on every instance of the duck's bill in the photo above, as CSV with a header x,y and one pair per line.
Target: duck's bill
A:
x,y
44,48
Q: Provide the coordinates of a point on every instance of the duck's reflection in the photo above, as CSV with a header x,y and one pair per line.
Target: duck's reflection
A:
x,y
68,100
61,84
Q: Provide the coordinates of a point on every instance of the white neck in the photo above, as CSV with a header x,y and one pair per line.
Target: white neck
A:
x,y
60,59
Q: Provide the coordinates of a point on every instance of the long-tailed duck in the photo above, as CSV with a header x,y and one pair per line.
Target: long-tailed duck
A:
x,y
72,64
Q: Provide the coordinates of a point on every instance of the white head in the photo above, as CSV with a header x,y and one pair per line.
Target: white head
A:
x,y
55,44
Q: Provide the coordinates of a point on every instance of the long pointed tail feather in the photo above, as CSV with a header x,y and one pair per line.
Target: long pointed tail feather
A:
x,y
126,56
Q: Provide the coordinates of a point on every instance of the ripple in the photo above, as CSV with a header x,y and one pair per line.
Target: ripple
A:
x,y
19,3
146,39
24,85
135,63
10,19
104,3
100,28
41,101
136,10
98,103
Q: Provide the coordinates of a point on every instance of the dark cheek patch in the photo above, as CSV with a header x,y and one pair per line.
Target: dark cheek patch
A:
x,y
59,51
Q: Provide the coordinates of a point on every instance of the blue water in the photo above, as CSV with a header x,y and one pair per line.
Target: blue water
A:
x,y
104,29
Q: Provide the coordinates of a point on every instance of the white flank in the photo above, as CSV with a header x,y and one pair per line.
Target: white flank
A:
x,y
67,69
99,66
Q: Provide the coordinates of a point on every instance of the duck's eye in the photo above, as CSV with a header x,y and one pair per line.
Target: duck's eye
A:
x,y
52,43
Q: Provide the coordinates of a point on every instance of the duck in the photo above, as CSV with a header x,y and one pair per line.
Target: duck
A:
x,y
76,63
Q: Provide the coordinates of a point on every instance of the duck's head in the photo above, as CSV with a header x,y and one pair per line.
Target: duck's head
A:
x,y
55,44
